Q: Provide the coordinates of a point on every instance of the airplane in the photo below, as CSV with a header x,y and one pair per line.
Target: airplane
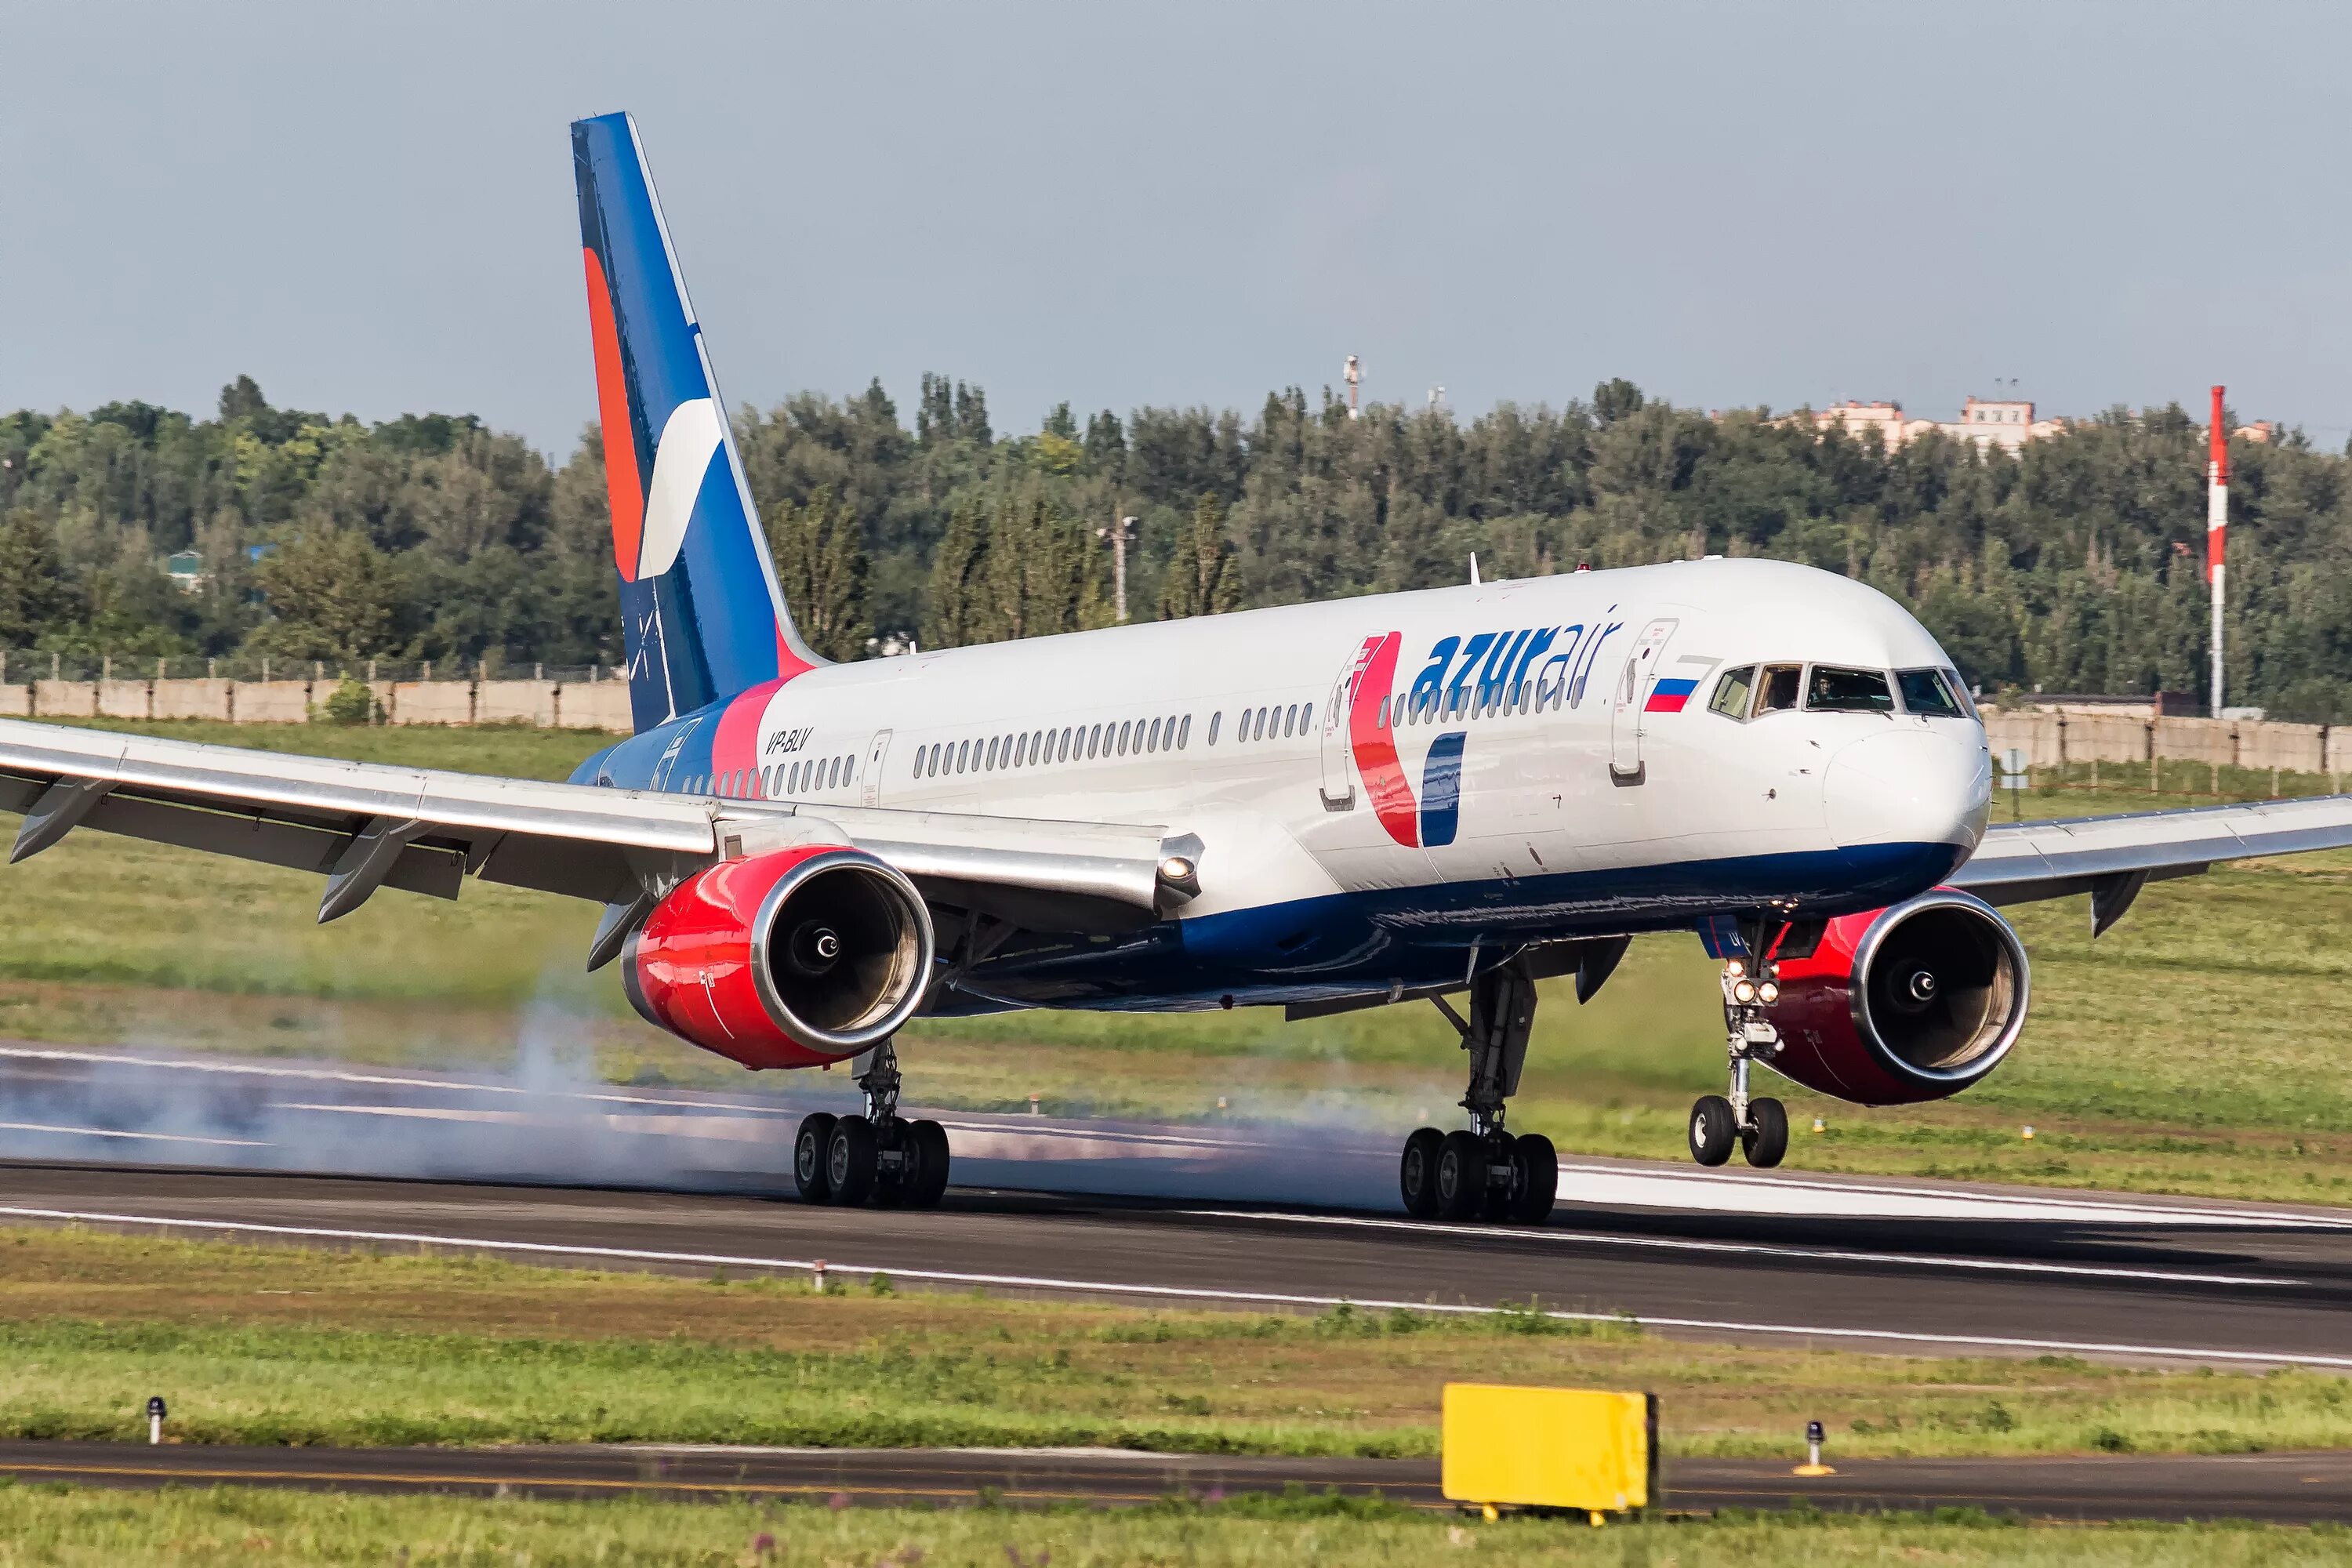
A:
x,y
1445,794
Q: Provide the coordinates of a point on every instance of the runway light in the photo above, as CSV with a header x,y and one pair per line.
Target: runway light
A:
x,y
1820,1125
2028,1133
1744,991
1813,1465
1767,992
155,1419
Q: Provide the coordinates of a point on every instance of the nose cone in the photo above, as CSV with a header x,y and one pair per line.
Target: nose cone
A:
x,y
1909,786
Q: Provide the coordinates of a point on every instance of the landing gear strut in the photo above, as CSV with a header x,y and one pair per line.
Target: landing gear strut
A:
x,y
1486,1173
1759,1124
879,1158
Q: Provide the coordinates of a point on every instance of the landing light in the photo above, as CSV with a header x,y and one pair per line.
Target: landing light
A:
x,y
1744,991
1736,968
1767,992
1176,868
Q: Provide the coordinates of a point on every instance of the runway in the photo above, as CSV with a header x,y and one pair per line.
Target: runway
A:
x,y
2282,1488
1243,1217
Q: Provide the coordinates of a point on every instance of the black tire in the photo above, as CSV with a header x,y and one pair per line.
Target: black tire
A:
x,y
849,1160
1712,1129
926,1179
809,1147
1461,1177
1765,1139
1417,1172
1535,1172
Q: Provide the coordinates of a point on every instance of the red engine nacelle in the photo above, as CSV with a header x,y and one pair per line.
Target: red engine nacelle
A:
x,y
1910,1003
788,959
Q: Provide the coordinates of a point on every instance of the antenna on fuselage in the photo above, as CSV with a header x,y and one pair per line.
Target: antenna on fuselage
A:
x,y
1474,568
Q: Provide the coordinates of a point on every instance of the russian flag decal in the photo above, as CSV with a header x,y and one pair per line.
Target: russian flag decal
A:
x,y
1669,695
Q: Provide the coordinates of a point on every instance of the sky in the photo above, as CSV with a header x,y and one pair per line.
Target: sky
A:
x,y
369,208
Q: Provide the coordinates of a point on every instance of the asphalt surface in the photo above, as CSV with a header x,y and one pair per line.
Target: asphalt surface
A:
x,y
2282,1488
2228,1287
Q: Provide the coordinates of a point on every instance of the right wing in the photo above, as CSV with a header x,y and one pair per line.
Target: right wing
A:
x,y
2111,858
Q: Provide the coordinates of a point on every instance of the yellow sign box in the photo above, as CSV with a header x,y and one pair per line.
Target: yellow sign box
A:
x,y
1584,1448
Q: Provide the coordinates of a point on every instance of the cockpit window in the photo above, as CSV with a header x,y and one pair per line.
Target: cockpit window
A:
x,y
1924,693
1776,692
1835,690
1731,691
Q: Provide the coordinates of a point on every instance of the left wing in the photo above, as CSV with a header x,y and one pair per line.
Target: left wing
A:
x,y
366,826
2111,858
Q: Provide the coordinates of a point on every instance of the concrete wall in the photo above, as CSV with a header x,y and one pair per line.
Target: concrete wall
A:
x,y
15,701
66,699
431,703
2059,740
594,705
508,702
269,702
123,699
191,700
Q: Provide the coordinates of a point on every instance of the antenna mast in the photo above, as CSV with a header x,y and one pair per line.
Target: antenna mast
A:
x,y
2217,535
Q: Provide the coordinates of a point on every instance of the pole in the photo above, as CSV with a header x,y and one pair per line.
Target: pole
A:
x,y
2216,536
1119,567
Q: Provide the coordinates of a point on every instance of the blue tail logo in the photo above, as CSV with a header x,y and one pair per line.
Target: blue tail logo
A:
x,y
703,616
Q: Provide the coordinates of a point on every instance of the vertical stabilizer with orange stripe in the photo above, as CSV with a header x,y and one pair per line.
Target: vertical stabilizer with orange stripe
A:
x,y
704,617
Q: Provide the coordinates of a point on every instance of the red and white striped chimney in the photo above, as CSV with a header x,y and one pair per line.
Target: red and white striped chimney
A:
x,y
2217,534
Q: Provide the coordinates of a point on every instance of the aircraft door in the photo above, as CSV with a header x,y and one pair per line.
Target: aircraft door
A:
x,y
1339,782
872,785
1631,697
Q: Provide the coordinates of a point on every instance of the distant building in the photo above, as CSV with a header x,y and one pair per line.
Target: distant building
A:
x,y
2000,422
186,569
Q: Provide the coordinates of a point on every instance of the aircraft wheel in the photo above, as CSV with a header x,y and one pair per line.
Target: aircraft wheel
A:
x,y
1535,1172
849,1160
1461,1177
927,1176
1712,1129
1417,1172
809,1158
1765,1139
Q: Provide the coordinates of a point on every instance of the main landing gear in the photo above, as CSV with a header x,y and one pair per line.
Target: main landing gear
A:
x,y
1759,1124
879,1158
1486,1173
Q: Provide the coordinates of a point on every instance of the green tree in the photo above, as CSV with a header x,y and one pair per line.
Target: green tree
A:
x,y
1202,579
34,595
332,595
820,556
958,609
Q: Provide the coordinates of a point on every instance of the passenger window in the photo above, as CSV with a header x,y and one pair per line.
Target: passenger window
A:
x,y
1732,691
1306,718
1214,720
1835,690
1924,693
1776,690
1185,732
1151,742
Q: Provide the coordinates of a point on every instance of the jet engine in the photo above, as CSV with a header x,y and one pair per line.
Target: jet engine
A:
x,y
1910,1003
788,959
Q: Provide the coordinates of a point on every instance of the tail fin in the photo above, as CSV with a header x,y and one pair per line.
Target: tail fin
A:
x,y
704,616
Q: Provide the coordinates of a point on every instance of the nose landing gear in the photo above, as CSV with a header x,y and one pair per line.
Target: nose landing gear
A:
x,y
881,1157
1759,1124
1484,1173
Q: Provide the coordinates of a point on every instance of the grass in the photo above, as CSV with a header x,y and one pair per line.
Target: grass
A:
x,y
276,1346
2196,1048
243,1527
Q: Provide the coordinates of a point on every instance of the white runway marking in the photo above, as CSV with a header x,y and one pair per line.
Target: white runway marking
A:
x,y
1823,1198
1754,1248
1184,1292
141,1137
